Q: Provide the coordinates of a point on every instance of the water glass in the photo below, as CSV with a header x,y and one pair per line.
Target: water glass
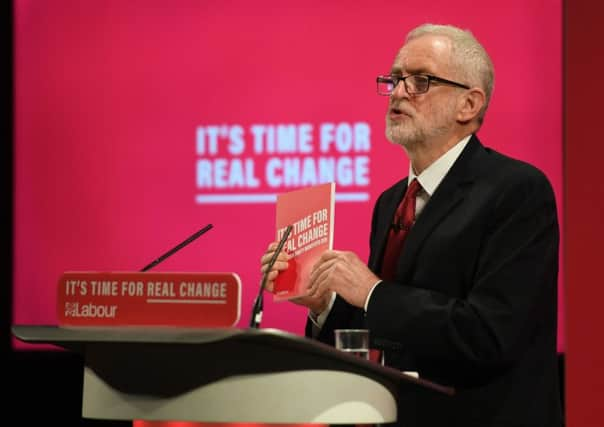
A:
x,y
353,341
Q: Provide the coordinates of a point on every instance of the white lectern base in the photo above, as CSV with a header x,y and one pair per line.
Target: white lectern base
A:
x,y
315,396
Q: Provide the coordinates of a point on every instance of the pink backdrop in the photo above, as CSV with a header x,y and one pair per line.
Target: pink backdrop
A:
x,y
139,122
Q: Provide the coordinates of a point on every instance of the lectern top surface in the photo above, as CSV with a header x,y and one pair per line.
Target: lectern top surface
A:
x,y
307,351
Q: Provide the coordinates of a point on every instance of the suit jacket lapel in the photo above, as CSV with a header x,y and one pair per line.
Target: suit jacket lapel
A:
x,y
449,193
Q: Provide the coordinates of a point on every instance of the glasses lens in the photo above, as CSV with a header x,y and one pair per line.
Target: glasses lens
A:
x,y
417,84
385,85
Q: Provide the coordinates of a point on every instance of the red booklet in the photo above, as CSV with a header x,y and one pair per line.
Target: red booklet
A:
x,y
310,211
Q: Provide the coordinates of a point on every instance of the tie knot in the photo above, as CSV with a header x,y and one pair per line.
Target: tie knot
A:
x,y
405,213
414,188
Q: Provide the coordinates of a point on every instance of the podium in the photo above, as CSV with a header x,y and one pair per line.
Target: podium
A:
x,y
226,375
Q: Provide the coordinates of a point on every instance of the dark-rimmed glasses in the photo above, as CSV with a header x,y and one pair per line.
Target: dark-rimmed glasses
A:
x,y
414,83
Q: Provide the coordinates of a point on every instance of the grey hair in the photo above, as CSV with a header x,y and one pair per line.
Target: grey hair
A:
x,y
469,59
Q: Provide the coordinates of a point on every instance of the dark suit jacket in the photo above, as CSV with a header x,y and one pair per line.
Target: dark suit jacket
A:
x,y
474,302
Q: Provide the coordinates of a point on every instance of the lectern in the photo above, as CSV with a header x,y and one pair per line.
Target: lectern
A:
x,y
225,375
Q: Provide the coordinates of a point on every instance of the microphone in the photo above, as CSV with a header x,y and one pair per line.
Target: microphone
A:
x,y
258,307
177,248
400,226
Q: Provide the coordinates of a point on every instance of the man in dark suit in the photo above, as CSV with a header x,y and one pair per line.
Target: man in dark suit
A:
x,y
470,301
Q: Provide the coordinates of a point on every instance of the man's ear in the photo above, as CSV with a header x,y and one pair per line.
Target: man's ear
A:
x,y
470,104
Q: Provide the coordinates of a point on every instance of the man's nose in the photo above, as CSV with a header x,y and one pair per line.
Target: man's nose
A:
x,y
400,91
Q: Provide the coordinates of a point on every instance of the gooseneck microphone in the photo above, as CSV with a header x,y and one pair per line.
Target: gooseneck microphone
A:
x,y
258,307
177,247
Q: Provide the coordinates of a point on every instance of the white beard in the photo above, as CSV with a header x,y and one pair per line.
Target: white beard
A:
x,y
417,130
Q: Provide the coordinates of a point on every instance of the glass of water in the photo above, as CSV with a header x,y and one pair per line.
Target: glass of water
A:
x,y
353,341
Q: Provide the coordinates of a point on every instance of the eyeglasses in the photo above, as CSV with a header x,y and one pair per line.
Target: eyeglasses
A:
x,y
414,83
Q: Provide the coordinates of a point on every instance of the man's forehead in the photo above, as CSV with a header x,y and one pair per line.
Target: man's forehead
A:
x,y
426,52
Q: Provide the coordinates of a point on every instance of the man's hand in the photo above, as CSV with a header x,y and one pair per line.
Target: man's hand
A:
x,y
343,273
317,304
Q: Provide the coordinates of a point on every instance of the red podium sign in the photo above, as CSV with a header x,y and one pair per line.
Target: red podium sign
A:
x,y
148,299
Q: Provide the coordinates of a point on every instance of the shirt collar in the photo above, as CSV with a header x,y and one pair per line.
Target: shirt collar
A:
x,y
432,176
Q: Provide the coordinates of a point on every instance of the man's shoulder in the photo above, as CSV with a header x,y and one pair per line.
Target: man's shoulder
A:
x,y
504,166
487,161
502,174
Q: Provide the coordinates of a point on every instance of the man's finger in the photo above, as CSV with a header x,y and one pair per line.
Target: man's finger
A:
x,y
277,266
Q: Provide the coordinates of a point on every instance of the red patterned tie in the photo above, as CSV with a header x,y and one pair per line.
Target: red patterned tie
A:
x,y
403,220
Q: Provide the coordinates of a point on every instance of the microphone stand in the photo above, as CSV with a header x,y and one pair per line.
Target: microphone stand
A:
x,y
258,307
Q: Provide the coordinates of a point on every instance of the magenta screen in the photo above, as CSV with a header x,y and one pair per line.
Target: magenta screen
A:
x,y
139,122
